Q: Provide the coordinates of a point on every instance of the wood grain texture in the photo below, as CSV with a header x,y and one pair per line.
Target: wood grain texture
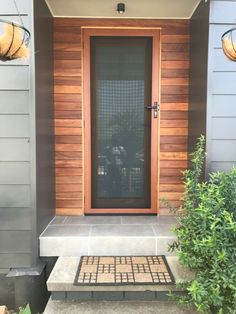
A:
x,y
68,107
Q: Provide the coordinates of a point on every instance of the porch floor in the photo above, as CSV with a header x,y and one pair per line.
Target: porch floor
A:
x,y
107,235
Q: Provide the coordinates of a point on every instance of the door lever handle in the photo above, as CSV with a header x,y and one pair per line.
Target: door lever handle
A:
x,y
155,107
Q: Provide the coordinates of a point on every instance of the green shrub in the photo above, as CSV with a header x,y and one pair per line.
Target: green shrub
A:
x,y
206,237
25,310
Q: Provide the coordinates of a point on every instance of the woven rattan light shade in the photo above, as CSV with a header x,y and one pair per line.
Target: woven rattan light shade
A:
x,y
14,41
229,44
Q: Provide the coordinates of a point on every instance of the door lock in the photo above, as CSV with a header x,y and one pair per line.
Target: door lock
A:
x,y
155,107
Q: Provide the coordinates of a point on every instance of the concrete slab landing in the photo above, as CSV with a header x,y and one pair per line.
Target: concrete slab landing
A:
x,y
107,235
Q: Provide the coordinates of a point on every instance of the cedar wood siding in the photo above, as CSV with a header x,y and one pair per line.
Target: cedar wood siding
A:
x,y
68,107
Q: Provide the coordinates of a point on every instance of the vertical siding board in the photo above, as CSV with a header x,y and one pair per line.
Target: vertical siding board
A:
x,y
45,167
199,25
68,105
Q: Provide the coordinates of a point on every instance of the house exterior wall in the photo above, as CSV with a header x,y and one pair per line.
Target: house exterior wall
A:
x,y
199,33
45,139
16,160
69,108
21,193
221,96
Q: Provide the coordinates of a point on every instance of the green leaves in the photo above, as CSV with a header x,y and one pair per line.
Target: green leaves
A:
x,y
26,310
206,237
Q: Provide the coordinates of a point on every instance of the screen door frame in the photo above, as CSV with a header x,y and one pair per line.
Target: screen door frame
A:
x,y
87,33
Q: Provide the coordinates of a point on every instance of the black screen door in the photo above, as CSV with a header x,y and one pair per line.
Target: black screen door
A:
x,y
121,78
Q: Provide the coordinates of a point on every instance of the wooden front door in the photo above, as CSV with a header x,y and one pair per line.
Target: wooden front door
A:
x,y
121,129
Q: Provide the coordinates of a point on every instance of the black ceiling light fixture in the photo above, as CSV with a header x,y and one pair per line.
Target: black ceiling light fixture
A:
x,y
120,8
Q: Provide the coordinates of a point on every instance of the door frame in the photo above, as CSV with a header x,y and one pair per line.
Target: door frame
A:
x,y
87,32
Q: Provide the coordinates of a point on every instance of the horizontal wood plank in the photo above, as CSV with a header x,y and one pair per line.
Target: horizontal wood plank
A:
x,y
71,195
63,188
59,114
174,106
68,123
69,171
171,187
174,131
68,139
61,155
71,163
68,131
70,203
173,156
65,89
174,123
171,196
63,106
78,180
68,147
76,211
173,164
174,147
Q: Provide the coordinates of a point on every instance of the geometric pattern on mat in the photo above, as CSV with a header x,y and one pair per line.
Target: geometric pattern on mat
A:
x,y
123,270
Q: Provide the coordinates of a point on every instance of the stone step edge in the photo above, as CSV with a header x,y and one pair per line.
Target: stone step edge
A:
x,y
111,295
69,287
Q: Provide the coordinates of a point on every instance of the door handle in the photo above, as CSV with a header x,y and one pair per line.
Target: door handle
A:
x,y
155,107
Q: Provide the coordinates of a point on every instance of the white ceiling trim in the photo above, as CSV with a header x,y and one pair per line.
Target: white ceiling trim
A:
x,y
48,2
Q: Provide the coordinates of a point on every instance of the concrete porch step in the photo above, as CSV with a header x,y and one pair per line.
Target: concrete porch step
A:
x,y
107,235
61,280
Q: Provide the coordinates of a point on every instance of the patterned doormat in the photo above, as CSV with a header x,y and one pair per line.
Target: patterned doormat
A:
x,y
123,270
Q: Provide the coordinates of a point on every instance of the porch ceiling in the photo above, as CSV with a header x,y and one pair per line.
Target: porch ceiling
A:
x,y
172,9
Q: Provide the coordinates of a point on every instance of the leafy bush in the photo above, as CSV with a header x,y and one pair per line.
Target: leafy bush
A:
x,y
25,310
206,237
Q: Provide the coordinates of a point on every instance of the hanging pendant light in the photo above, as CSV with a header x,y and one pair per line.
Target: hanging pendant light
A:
x,y
229,44
14,40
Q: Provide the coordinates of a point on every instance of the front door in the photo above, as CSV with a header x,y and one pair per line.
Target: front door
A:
x,y
123,128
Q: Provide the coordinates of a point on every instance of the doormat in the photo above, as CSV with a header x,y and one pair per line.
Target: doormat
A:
x,y
123,270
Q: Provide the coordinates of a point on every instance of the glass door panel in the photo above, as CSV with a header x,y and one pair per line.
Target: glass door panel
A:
x,y
121,76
